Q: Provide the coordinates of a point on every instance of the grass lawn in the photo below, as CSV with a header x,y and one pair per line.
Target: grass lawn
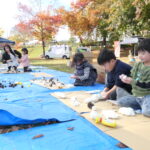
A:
x,y
56,64
36,51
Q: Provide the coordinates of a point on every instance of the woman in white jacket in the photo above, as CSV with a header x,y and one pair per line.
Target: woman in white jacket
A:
x,y
10,57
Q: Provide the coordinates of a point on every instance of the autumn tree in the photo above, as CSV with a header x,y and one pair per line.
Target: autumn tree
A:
x,y
79,19
44,27
87,16
21,32
41,24
109,18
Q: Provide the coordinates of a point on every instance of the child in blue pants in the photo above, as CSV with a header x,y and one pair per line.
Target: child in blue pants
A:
x,y
140,81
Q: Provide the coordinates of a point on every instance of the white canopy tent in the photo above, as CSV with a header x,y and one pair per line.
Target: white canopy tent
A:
x,y
126,41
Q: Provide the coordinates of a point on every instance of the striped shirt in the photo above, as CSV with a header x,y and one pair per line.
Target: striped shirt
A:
x,y
141,80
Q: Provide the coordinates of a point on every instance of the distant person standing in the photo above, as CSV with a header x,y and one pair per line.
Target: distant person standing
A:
x,y
10,57
25,60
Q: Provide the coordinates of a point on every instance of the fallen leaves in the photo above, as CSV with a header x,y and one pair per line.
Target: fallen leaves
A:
x,y
38,136
70,128
6,129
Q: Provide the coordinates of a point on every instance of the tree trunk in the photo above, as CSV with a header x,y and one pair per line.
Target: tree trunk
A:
x,y
43,46
81,41
104,41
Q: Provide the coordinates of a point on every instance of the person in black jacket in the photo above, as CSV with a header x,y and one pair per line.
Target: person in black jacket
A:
x,y
10,57
114,68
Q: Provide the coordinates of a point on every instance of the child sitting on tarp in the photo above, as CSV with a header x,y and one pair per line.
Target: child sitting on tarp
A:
x,y
11,58
114,68
25,60
140,81
85,74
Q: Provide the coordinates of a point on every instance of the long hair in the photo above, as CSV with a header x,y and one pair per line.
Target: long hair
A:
x,y
10,49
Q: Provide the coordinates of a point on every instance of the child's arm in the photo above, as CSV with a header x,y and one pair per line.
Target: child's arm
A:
x,y
125,79
85,76
129,80
18,54
143,84
24,58
106,94
105,89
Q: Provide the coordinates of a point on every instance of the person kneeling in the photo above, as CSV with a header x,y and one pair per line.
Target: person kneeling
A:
x,y
114,68
140,81
85,74
25,60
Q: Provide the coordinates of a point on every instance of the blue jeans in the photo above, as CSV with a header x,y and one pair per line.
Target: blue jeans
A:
x,y
142,103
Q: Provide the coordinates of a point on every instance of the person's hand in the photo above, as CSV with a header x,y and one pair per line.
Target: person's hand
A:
x,y
74,77
105,94
19,60
125,79
9,61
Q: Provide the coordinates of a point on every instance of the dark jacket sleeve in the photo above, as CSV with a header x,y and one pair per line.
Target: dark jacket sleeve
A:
x,y
18,53
5,57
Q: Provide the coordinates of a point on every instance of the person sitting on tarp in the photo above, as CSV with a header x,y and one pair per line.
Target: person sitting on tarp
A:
x,y
140,81
114,68
25,60
11,58
85,74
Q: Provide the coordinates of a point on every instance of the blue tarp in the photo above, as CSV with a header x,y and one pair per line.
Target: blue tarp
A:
x,y
56,137
65,78
32,104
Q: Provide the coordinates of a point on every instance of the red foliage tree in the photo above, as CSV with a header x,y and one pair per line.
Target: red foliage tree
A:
x,y
41,24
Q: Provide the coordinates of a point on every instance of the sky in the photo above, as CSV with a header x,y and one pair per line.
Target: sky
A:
x,y
9,11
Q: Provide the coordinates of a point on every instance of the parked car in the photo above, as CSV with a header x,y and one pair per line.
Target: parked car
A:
x,y
83,49
58,51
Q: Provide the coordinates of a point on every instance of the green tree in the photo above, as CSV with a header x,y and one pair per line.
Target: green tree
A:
x,y
143,15
130,17
1,32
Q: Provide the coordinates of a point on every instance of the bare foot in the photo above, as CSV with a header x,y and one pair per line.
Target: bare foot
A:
x,y
121,145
